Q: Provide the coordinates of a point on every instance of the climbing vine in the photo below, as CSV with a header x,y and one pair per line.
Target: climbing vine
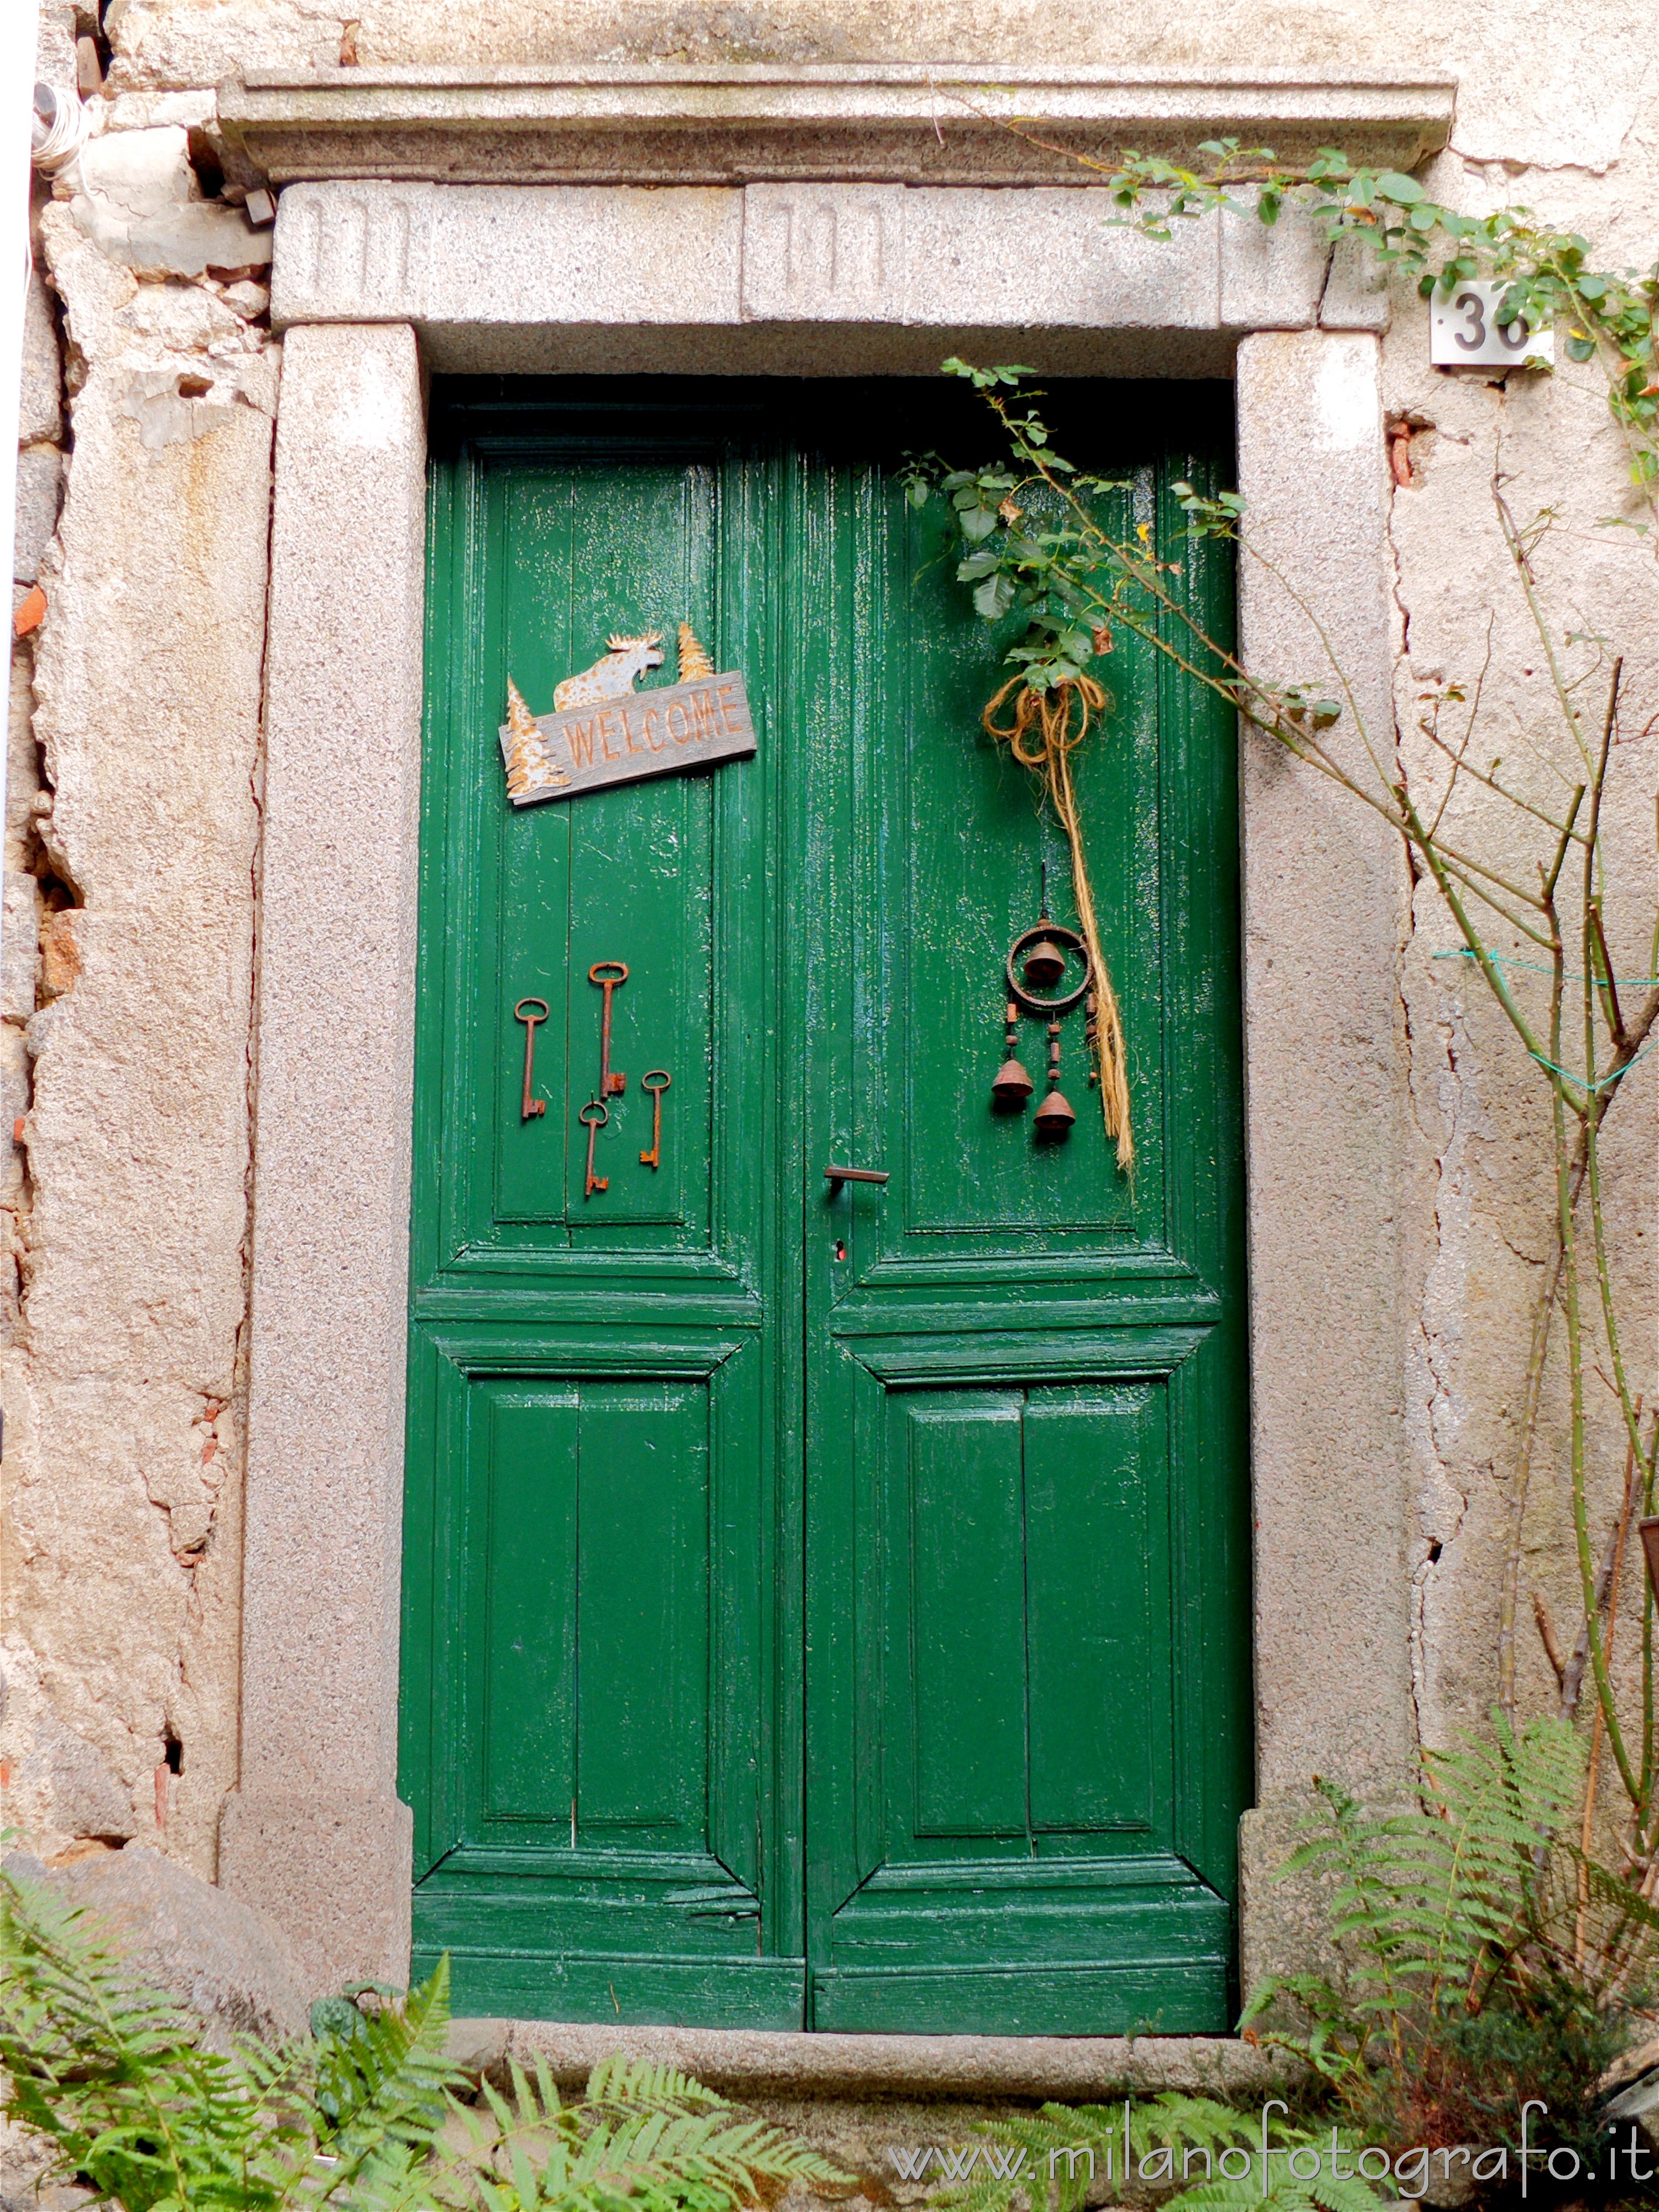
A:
x,y
1609,316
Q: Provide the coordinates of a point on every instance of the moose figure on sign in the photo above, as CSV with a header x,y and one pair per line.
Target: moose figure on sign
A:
x,y
628,658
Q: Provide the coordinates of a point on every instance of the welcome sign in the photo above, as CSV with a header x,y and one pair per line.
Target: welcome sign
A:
x,y
628,737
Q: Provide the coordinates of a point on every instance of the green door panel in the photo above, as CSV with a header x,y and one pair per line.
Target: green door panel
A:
x,y
589,1533
1026,1621
824,1605
1096,1540
957,1613
523,1608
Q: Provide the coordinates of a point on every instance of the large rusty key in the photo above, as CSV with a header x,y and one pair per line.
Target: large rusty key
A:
x,y
531,1107
593,1117
608,973
656,1080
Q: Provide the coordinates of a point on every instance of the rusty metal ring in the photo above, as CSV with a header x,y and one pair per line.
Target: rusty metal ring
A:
x,y
621,976
595,1115
647,1083
1056,935
520,1015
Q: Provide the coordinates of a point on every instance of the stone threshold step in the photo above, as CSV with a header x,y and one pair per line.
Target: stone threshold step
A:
x,y
745,2063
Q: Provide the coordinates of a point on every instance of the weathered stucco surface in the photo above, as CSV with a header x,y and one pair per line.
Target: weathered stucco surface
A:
x,y
132,834
132,827
1481,1224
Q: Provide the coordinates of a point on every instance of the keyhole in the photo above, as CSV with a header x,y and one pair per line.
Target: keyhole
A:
x,y
841,1248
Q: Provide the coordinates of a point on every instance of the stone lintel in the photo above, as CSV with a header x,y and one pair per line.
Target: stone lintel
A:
x,y
942,123
784,278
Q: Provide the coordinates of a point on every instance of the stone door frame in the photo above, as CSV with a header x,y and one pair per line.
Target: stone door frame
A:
x,y
376,284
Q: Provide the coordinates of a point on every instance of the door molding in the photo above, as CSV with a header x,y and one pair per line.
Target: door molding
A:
x,y
377,283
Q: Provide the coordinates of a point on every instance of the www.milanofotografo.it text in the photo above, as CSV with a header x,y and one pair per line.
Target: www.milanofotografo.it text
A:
x,y
1629,2160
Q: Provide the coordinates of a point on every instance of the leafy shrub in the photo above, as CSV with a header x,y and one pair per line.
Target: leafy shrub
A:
x,y
363,2116
1485,1958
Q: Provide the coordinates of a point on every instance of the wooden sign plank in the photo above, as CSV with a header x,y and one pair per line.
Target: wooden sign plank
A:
x,y
636,734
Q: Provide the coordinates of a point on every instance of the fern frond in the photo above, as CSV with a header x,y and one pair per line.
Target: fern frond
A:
x,y
1430,1905
1038,2176
1245,2195
1340,2192
622,2081
1326,2190
109,2069
645,2136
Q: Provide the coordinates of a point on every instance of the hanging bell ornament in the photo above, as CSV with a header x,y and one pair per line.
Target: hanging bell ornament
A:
x,y
1045,964
1010,1087
1054,1116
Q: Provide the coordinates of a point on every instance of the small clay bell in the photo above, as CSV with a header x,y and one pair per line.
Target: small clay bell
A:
x,y
1053,1117
1010,1087
1045,964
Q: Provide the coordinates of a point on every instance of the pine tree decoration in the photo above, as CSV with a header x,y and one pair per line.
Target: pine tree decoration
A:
x,y
695,663
528,767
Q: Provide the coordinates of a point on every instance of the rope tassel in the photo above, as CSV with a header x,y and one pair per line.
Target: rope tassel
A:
x,y
1045,730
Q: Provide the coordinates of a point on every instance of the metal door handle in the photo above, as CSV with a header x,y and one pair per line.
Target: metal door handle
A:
x,y
855,1174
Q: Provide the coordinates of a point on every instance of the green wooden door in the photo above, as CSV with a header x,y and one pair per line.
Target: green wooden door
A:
x,y
825,1605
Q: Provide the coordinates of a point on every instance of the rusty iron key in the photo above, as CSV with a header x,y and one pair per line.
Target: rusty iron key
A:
x,y
531,1107
656,1080
608,973
593,1117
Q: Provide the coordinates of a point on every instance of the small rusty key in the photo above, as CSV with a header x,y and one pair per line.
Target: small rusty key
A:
x,y
608,973
656,1080
531,1107
593,1117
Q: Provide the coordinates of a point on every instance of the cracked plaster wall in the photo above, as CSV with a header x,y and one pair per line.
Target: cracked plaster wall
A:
x,y
1483,1220
130,843
131,826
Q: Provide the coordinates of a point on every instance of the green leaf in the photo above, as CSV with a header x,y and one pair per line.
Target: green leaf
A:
x,y
334,2016
994,597
977,522
1405,191
984,380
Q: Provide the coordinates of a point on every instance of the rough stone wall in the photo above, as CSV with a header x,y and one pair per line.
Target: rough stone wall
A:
x,y
131,831
132,817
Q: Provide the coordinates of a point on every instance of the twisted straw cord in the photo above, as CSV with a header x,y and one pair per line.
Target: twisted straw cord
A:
x,y
1059,733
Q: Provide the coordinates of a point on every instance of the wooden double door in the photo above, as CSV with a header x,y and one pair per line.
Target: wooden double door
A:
x,y
824,1604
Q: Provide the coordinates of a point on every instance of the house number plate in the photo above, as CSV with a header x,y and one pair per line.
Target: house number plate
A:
x,y
635,734
1464,330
